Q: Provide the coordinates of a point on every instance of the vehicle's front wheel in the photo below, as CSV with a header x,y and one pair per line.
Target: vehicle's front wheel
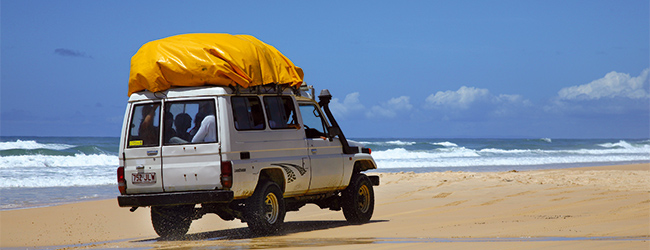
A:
x,y
265,209
171,221
358,200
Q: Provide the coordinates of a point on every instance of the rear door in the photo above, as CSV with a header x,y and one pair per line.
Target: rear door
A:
x,y
190,148
142,155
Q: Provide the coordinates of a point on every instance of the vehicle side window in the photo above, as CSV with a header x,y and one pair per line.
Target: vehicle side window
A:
x,y
189,122
313,122
144,130
281,112
248,113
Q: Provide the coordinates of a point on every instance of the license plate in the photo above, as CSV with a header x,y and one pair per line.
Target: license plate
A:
x,y
144,178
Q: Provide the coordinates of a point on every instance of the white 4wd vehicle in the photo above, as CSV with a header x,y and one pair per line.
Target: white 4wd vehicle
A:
x,y
251,154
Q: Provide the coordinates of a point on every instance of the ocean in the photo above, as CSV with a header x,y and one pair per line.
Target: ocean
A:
x,y
42,171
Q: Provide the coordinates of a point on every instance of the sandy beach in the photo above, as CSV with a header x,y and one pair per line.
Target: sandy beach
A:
x,y
593,208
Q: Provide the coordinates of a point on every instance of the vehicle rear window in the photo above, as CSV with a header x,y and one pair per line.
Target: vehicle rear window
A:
x,y
189,122
144,130
247,112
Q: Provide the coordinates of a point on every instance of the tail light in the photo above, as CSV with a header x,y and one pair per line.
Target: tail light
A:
x,y
121,181
226,174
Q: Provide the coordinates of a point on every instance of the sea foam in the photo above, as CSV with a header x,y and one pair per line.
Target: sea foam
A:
x,y
455,156
30,144
445,144
78,160
100,178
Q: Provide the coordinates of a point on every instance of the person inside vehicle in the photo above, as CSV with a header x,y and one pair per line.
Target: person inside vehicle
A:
x,y
183,122
207,131
168,129
148,131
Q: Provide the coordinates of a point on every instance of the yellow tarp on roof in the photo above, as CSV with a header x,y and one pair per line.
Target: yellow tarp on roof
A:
x,y
209,59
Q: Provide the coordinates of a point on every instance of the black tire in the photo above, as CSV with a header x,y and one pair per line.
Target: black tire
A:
x,y
358,200
171,221
265,209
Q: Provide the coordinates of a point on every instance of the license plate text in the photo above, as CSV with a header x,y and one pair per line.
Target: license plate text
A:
x,y
144,178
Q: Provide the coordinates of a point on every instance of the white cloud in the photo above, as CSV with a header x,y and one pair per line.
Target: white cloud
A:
x,y
469,97
400,103
475,104
463,98
614,94
613,85
350,105
391,108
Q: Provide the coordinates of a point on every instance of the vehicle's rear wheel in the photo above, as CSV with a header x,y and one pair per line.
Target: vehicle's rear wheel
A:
x,y
265,209
171,221
358,200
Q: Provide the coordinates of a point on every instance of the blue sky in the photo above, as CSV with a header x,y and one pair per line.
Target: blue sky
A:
x,y
502,69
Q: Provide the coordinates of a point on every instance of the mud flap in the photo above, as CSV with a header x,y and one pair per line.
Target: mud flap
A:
x,y
374,180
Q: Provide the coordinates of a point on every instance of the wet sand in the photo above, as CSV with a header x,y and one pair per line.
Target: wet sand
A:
x,y
595,208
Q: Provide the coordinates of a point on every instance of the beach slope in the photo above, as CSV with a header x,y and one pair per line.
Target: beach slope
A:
x,y
597,208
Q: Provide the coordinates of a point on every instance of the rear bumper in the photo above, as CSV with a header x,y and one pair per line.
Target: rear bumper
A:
x,y
176,198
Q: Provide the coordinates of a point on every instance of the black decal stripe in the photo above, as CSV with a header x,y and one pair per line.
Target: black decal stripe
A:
x,y
300,169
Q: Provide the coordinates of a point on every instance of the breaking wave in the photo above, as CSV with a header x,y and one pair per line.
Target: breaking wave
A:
x,y
510,154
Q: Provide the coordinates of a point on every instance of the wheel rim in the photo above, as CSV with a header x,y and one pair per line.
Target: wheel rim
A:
x,y
272,208
364,199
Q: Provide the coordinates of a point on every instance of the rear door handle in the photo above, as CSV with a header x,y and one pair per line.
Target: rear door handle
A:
x,y
152,152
